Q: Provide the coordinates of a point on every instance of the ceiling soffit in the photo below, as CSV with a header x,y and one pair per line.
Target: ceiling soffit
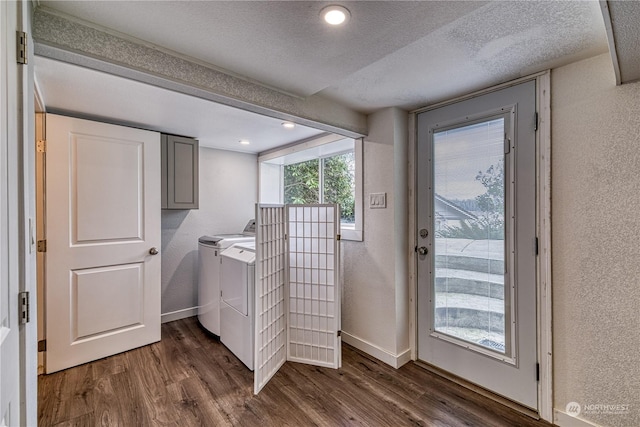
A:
x,y
282,44
625,22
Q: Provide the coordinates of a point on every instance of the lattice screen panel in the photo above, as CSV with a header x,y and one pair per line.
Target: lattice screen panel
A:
x,y
314,300
270,320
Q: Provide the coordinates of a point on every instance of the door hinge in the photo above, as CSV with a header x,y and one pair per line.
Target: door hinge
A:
x,y
537,372
41,146
535,123
338,237
339,333
42,246
23,301
42,346
21,48
537,246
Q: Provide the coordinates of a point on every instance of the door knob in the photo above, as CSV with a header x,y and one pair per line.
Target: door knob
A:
x,y
422,250
153,251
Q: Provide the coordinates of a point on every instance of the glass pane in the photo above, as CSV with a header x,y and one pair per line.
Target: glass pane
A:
x,y
469,214
340,184
302,182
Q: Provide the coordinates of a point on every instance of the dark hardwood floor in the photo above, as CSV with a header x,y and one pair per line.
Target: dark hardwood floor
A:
x,y
189,379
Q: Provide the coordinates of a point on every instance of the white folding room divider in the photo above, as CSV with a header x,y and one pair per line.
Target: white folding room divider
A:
x,y
314,300
297,288
270,307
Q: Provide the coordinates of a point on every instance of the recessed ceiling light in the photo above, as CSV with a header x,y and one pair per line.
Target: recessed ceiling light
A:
x,y
244,142
288,125
335,15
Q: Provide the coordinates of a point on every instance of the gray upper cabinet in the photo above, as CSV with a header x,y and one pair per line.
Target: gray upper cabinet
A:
x,y
179,172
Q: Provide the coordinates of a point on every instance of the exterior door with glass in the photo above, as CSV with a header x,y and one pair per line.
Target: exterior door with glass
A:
x,y
477,242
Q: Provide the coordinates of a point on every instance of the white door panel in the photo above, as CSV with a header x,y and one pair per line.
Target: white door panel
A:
x,y
103,217
100,214
9,250
105,300
476,221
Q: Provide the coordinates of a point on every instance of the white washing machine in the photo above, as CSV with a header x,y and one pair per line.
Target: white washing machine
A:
x,y
209,249
237,282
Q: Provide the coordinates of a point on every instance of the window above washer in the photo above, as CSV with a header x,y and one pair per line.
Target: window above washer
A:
x,y
325,169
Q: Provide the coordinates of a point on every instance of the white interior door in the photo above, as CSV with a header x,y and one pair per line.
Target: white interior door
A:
x,y
476,231
103,219
9,248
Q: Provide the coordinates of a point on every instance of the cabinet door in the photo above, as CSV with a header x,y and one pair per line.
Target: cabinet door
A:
x,y
180,172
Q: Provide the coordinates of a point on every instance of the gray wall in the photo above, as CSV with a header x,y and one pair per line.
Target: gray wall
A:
x,y
228,193
596,240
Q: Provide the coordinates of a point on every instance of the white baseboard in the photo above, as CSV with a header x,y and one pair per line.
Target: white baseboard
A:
x,y
394,360
402,358
178,314
562,419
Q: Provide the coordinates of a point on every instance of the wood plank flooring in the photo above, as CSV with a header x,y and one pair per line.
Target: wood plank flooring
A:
x,y
189,379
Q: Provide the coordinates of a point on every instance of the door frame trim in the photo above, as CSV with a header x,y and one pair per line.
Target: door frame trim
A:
x,y
544,278
543,231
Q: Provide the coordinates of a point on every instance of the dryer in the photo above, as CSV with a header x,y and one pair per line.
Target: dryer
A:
x,y
209,249
237,301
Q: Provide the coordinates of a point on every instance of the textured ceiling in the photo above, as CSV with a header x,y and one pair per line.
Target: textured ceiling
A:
x,y
499,42
281,44
391,53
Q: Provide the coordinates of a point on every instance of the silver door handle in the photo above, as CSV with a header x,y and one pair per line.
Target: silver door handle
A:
x,y
422,250
153,251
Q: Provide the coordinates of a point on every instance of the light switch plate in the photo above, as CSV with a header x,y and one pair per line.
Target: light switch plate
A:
x,y
377,200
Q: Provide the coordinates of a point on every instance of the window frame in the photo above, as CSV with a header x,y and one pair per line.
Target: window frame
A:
x,y
352,232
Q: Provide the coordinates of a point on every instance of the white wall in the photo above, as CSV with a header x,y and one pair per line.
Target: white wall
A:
x,y
270,183
228,193
375,299
596,240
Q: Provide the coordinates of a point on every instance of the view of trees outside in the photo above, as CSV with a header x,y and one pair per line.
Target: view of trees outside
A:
x,y
469,187
489,206
302,182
